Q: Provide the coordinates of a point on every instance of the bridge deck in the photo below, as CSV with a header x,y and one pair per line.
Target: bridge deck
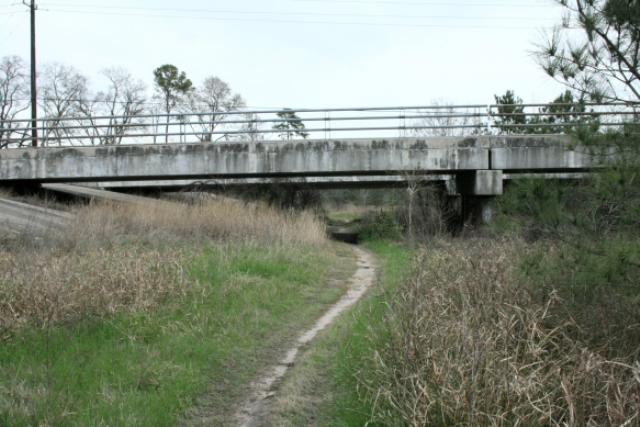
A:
x,y
313,158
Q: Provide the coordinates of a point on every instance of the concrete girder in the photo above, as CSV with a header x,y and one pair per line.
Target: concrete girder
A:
x,y
244,160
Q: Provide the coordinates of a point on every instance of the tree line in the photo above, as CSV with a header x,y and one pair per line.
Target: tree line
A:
x,y
64,94
106,116
594,52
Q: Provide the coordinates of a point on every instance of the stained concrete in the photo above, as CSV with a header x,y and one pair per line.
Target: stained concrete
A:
x,y
275,158
315,182
97,194
478,164
292,158
21,218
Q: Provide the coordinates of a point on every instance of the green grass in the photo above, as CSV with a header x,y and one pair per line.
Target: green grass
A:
x,y
148,369
322,389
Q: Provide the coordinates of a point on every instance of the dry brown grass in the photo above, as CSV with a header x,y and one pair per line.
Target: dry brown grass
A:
x,y
44,290
469,345
220,220
118,257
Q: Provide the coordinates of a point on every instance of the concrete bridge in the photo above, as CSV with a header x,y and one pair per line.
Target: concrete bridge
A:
x,y
487,158
474,166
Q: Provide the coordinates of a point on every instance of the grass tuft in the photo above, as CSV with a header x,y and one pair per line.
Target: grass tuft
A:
x,y
129,257
467,343
50,289
220,220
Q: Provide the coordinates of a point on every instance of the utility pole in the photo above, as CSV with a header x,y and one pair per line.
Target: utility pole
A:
x,y
34,104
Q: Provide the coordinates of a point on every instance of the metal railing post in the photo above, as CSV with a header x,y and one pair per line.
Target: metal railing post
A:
x,y
359,122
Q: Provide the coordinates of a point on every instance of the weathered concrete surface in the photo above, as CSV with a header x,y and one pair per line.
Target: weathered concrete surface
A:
x,y
546,175
365,181
488,183
22,218
477,183
546,152
97,194
348,162
245,160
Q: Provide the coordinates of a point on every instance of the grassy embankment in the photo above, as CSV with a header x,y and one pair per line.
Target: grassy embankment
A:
x,y
535,323
136,313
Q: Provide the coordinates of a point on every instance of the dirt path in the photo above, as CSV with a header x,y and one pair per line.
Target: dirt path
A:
x,y
250,413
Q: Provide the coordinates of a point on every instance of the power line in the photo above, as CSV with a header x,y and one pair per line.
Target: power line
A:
x,y
13,12
9,26
91,8
290,21
509,3
495,3
106,101
97,101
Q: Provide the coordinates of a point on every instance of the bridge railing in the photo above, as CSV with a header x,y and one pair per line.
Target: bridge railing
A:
x,y
324,123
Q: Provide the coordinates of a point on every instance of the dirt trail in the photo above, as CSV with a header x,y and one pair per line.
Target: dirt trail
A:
x,y
250,413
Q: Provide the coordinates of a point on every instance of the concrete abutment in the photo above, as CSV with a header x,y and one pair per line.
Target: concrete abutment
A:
x,y
477,190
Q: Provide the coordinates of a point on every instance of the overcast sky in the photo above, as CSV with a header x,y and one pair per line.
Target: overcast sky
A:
x,y
303,53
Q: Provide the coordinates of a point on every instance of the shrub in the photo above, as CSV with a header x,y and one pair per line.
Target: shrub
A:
x,y
597,281
606,202
380,225
467,343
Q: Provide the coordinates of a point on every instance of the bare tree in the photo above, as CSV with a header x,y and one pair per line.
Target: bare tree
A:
x,y
447,121
63,90
601,60
251,128
123,101
14,93
209,105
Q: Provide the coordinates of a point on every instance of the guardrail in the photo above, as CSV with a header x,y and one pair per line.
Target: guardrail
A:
x,y
322,123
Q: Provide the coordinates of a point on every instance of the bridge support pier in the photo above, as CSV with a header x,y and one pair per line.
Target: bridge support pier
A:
x,y
477,190
477,209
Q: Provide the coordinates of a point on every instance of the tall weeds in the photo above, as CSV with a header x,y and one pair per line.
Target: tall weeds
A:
x,y
128,257
468,344
45,290
220,220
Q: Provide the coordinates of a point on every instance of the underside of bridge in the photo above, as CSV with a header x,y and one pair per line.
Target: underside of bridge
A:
x,y
473,168
279,159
